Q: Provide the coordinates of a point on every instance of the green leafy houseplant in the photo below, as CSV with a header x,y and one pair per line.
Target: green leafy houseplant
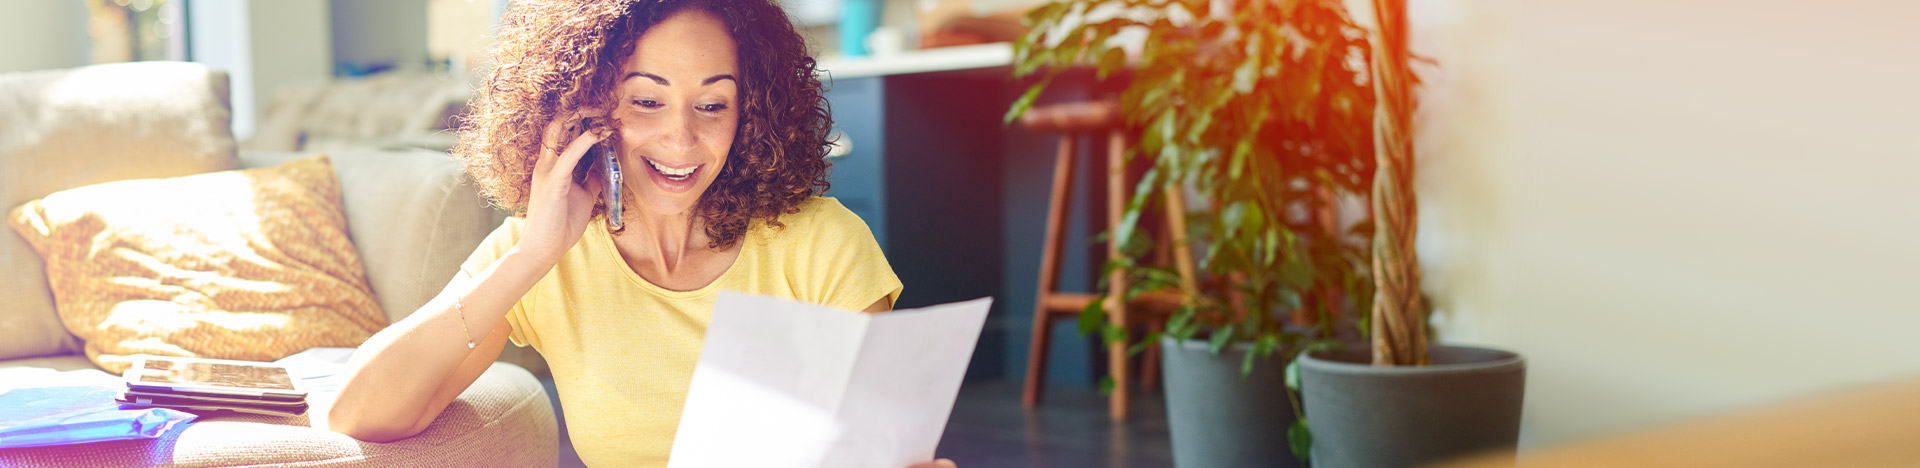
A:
x,y
1263,110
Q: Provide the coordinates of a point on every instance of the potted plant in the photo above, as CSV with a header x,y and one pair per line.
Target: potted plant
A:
x,y
1404,402
1261,110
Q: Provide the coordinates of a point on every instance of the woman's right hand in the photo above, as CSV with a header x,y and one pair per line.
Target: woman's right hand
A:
x,y
557,208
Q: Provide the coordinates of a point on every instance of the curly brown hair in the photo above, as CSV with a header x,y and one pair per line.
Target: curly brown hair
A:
x,y
554,56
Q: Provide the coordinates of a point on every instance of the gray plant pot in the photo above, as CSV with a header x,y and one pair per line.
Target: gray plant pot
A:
x,y
1365,416
1219,419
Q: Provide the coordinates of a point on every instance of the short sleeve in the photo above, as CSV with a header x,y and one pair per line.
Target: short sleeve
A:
x,y
490,250
843,265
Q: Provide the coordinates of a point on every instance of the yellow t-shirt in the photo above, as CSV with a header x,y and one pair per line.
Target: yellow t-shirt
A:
x,y
622,349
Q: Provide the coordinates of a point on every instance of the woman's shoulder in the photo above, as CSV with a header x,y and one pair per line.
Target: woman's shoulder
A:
x,y
818,217
825,210
824,254
505,234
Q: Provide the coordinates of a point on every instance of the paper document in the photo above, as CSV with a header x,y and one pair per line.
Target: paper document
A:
x,y
788,384
322,369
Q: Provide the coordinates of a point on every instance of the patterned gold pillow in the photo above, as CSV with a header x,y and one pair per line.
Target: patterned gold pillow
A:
x,y
251,264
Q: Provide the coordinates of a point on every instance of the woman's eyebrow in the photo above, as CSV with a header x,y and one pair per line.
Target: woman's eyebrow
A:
x,y
663,81
655,78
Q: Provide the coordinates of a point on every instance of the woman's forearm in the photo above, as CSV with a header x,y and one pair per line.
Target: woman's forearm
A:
x,y
395,375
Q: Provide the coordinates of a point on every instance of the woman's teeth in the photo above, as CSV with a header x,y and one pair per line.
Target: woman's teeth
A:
x,y
673,174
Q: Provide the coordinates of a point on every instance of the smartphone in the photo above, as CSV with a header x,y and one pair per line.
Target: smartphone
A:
x,y
601,159
201,403
612,192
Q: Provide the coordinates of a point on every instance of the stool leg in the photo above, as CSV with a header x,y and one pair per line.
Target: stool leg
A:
x,y
1049,267
1037,355
1119,400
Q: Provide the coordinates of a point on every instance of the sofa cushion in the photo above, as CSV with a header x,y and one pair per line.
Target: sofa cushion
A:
x,y
250,264
379,110
413,217
62,129
504,419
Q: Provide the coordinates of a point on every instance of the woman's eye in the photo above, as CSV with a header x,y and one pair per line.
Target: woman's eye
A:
x,y
647,103
713,107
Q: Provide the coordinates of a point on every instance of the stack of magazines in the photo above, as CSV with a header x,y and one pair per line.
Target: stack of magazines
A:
x,y
213,384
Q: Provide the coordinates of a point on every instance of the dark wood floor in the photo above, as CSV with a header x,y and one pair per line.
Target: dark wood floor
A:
x,y
1071,429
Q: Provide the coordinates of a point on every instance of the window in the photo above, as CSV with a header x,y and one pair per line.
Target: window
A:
x,y
134,30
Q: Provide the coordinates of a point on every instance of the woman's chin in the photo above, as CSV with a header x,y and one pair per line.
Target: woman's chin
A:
x,y
648,194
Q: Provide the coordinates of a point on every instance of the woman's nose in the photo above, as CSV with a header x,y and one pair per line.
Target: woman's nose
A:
x,y
679,135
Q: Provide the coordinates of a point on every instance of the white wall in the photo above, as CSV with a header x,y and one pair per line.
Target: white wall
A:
x,y
1674,208
217,35
461,31
368,32
292,44
263,46
38,35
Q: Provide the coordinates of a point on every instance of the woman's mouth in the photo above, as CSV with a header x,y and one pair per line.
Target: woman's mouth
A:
x,y
671,178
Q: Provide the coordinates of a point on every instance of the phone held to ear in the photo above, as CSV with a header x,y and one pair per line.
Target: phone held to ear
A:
x,y
602,156
612,192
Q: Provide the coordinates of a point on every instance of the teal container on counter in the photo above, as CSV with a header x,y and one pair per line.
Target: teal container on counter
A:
x,y
858,19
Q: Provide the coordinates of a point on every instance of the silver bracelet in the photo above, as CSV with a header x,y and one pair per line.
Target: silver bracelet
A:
x,y
463,321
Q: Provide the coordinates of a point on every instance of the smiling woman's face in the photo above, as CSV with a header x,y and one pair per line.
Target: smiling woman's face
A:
x,y
677,109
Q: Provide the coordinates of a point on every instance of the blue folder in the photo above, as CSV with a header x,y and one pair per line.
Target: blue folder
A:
x,y
42,416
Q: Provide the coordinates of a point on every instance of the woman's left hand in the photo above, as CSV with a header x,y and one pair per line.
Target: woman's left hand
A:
x,y
941,463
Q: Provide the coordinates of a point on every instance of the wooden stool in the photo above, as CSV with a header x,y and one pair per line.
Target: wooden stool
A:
x,y
1071,120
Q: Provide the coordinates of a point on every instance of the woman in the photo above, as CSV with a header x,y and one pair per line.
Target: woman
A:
x,y
719,126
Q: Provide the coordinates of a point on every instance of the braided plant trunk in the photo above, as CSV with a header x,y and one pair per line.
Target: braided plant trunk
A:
x,y
1399,319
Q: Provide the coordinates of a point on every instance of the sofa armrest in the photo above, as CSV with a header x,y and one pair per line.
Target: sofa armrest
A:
x,y
413,217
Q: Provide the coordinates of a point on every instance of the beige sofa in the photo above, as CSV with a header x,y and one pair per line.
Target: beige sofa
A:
x,y
410,215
